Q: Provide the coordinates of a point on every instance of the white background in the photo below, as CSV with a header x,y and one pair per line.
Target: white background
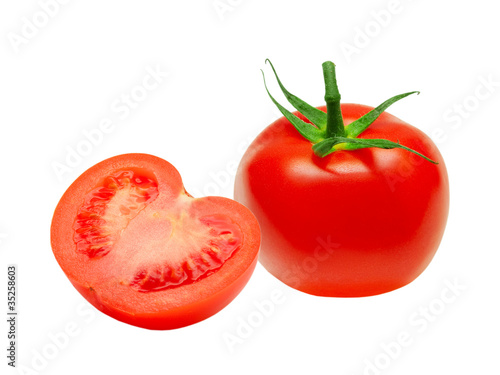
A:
x,y
64,78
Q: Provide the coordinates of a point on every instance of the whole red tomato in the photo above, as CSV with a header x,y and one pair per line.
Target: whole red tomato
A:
x,y
343,215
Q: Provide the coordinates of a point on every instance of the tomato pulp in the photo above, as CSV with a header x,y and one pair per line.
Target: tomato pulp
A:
x,y
142,250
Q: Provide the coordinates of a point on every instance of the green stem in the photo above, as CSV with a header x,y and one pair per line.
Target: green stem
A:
x,y
335,123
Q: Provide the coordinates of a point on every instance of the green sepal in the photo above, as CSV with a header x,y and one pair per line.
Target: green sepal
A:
x,y
308,131
313,114
327,131
357,127
327,146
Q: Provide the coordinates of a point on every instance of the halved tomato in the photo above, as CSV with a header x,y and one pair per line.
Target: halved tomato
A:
x,y
142,250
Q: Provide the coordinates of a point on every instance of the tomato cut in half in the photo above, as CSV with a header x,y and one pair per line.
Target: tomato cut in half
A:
x,y
142,250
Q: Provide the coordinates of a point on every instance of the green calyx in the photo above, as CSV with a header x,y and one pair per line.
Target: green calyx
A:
x,y
326,130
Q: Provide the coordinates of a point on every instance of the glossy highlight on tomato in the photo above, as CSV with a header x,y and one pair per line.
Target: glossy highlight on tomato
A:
x,y
138,247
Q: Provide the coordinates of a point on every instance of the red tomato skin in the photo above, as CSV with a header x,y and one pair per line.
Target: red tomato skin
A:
x,y
173,318
157,310
351,224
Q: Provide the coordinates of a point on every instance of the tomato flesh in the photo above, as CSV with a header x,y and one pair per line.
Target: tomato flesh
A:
x,y
200,250
108,209
142,250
